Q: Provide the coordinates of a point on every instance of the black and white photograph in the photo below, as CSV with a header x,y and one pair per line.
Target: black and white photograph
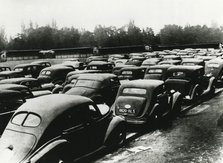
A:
x,y
111,81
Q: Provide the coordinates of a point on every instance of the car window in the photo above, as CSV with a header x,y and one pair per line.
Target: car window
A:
x,y
26,119
32,120
19,118
155,71
134,91
94,113
127,72
18,69
87,83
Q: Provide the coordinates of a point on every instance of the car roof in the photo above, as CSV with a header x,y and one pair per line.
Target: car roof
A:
x,y
185,68
50,106
26,64
12,86
57,67
216,60
39,62
98,63
192,60
160,66
99,77
143,83
132,68
14,80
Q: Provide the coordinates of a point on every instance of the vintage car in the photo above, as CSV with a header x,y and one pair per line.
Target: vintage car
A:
x,y
171,57
96,58
170,62
158,72
4,68
24,90
42,63
101,88
10,100
134,62
215,68
77,65
140,101
192,62
131,73
59,128
120,62
31,83
150,62
55,74
101,66
29,70
116,69
190,82
113,57
10,74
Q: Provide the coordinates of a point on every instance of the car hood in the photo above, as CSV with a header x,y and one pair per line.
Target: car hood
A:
x,y
87,92
130,105
15,146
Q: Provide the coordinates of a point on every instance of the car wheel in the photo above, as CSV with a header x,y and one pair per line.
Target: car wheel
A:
x,y
118,138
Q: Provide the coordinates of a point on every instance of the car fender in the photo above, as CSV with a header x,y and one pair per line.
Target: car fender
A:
x,y
210,84
176,97
43,150
117,120
193,91
154,109
57,89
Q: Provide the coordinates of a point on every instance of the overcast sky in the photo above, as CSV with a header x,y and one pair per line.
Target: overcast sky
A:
x,y
89,13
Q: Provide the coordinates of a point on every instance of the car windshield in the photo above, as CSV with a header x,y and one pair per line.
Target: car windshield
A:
x,y
134,91
127,72
179,74
26,119
88,83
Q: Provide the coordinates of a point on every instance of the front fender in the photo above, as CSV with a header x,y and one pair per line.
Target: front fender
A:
x,y
176,98
117,120
43,150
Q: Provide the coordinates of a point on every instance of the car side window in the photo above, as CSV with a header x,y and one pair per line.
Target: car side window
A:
x,y
94,113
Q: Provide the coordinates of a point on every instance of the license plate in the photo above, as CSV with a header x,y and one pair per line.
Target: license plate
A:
x,y
130,111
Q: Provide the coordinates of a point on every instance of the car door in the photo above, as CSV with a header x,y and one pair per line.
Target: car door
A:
x,y
76,131
97,126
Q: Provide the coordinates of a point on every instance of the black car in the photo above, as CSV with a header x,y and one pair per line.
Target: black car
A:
x,y
10,74
29,70
101,88
59,128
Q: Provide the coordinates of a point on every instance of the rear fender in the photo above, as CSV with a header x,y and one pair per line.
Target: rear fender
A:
x,y
194,91
116,121
155,107
210,85
176,97
45,149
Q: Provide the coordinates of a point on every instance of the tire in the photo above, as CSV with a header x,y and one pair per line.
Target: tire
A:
x,y
117,138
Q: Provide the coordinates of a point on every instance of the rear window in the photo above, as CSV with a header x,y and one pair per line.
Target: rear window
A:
x,y
179,74
87,83
213,65
127,72
26,119
18,69
45,72
155,71
134,91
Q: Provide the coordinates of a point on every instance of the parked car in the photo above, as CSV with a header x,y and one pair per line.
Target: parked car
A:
x,y
4,68
77,65
131,73
170,62
116,69
10,74
140,101
134,62
120,62
31,83
10,100
150,62
29,70
59,128
215,68
158,72
189,81
193,62
42,63
101,88
96,58
101,66
55,74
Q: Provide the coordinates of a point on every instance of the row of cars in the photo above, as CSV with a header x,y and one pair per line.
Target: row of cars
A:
x,y
91,108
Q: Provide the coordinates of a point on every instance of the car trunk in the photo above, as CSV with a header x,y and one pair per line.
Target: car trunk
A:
x,y
130,105
15,146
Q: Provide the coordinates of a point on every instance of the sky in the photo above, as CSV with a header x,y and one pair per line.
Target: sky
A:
x,y
87,14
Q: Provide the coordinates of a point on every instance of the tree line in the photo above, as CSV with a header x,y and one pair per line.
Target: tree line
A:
x,y
51,37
